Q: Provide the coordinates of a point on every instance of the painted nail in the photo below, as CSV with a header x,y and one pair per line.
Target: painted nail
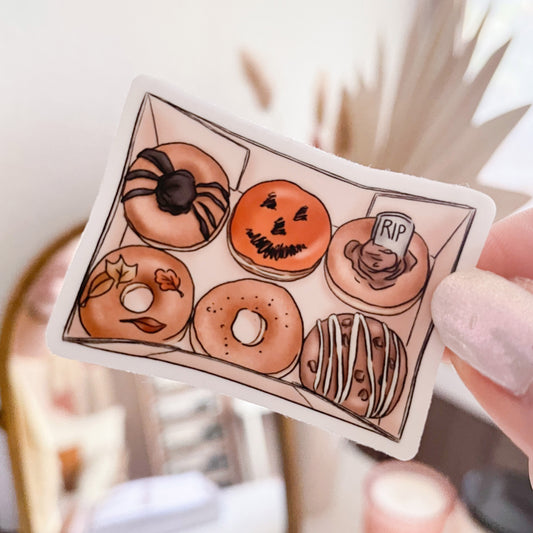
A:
x,y
525,283
488,322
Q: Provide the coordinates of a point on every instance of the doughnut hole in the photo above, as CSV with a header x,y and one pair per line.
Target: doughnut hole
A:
x,y
137,297
248,327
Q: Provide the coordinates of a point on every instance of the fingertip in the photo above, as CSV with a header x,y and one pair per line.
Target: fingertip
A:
x,y
446,356
507,250
487,321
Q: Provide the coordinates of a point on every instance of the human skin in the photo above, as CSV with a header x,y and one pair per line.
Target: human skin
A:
x,y
508,253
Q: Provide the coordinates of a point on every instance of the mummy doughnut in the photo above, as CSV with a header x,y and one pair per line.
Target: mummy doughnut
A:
x,y
356,362
378,265
176,196
251,323
279,231
137,293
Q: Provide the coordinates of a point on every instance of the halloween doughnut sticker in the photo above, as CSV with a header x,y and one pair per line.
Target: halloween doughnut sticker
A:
x,y
229,257
378,264
279,231
137,293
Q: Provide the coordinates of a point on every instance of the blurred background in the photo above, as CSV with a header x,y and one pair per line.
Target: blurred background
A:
x,y
426,87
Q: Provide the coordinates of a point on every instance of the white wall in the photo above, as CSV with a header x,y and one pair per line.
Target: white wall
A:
x,y
66,68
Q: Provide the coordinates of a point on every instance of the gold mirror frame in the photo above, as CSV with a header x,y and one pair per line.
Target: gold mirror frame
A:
x,y
10,419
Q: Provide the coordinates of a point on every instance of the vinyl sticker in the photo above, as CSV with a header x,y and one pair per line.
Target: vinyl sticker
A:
x,y
232,258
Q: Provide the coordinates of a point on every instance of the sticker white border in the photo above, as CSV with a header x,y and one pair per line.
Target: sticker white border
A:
x,y
408,445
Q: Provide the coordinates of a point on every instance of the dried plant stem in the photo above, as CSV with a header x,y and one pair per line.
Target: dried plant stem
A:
x,y
257,79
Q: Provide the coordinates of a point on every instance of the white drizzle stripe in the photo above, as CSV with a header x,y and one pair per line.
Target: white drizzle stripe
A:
x,y
352,352
338,342
386,334
329,371
320,354
369,366
392,390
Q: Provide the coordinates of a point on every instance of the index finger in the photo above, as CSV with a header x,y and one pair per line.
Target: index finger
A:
x,y
508,251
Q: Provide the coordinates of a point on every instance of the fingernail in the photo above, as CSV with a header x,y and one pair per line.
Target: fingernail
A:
x,y
525,283
488,322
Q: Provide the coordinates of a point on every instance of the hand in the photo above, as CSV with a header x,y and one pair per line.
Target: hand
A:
x,y
486,321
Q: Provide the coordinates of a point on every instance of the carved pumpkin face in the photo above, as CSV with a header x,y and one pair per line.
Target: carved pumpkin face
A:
x,y
279,230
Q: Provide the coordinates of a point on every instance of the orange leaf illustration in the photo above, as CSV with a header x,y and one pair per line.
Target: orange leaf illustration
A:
x,y
168,280
99,285
120,271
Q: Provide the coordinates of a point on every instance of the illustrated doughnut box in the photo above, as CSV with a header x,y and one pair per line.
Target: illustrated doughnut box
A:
x,y
228,257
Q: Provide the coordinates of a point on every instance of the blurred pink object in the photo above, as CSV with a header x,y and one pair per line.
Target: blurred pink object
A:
x,y
406,498
45,289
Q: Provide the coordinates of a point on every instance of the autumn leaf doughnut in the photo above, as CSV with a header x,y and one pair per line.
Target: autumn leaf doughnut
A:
x,y
254,324
176,196
137,293
279,231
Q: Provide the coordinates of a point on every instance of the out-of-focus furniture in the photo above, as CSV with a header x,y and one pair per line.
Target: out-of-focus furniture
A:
x,y
65,427
65,430
188,428
156,505
257,506
13,421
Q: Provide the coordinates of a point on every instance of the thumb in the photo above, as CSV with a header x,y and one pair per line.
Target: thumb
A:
x,y
487,321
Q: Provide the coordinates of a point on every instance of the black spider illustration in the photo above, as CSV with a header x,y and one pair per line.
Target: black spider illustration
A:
x,y
176,192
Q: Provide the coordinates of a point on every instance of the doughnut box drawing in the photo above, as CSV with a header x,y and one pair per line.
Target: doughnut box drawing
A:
x,y
228,257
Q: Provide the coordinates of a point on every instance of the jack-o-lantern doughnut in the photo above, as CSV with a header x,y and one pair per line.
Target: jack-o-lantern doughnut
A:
x,y
176,196
254,324
279,231
137,293
356,362
378,265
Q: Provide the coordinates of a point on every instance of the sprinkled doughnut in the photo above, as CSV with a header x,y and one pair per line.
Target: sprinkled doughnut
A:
x,y
251,323
137,293
176,196
356,362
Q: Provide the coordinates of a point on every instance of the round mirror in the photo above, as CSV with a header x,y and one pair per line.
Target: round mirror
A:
x,y
92,448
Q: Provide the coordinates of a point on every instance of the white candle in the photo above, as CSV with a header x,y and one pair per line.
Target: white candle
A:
x,y
409,494
407,497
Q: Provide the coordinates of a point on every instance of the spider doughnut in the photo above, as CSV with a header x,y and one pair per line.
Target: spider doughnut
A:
x,y
176,196
251,323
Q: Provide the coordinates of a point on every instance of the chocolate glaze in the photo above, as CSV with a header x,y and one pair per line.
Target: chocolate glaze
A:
x,y
366,376
175,192
158,158
377,265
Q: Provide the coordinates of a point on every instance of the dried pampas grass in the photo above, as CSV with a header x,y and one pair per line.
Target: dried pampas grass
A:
x,y
429,129
257,79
